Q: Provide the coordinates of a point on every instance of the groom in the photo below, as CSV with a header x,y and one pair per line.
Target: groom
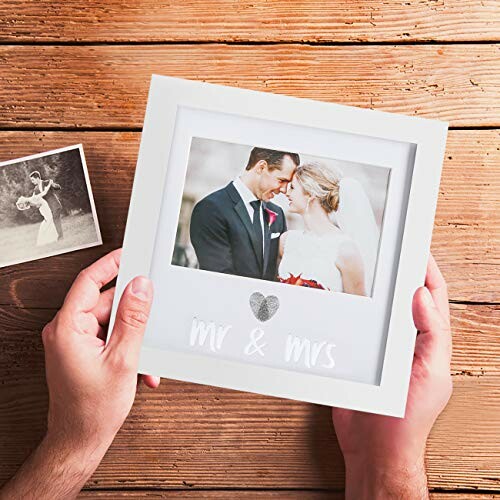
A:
x,y
236,230
51,199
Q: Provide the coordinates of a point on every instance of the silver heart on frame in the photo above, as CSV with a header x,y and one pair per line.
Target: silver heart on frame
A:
x,y
264,308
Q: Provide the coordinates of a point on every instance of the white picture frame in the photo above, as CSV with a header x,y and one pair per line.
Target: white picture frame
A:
x,y
177,110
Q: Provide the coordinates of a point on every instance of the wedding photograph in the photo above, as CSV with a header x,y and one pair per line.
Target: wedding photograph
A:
x,y
281,216
46,206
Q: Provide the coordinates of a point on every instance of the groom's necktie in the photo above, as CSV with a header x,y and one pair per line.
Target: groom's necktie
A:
x,y
257,227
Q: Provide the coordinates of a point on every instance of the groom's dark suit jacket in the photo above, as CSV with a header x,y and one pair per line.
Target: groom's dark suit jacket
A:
x,y
224,240
51,197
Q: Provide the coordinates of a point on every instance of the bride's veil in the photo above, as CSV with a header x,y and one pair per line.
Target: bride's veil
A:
x,y
356,218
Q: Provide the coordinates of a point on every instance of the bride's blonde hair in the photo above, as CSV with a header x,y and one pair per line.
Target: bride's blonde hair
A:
x,y
321,182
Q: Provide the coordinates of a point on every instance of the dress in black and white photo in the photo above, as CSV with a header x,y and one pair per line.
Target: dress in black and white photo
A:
x,y
53,202
47,233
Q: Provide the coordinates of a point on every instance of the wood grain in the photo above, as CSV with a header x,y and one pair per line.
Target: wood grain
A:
x,y
259,495
465,242
194,436
225,495
245,20
193,441
106,86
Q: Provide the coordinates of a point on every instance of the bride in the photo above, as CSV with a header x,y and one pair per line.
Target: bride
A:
x,y
47,233
324,255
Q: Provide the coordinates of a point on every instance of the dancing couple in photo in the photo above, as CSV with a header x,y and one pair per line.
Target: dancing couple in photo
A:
x,y
238,230
46,200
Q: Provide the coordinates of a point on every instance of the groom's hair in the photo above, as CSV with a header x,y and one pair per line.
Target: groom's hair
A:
x,y
271,156
36,174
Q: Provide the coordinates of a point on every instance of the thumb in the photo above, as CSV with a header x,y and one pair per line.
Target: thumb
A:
x,y
131,319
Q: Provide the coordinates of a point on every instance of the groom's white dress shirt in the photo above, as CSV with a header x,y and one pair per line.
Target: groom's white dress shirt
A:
x,y
247,196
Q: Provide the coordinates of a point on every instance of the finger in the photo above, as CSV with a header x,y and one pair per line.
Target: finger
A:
x,y
425,313
131,318
151,381
86,323
102,311
436,284
430,323
85,291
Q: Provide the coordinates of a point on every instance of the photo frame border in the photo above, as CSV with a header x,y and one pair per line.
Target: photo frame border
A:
x,y
166,94
89,193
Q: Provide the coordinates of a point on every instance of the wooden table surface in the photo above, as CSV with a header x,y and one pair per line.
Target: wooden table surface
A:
x,y
78,71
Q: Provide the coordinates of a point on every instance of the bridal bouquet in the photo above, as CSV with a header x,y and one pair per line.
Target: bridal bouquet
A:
x,y
299,281
22,203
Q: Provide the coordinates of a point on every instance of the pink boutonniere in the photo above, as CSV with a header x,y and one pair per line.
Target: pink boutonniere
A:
x,y
271,216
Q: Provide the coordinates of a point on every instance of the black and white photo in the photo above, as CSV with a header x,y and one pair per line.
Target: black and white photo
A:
x,y
46,206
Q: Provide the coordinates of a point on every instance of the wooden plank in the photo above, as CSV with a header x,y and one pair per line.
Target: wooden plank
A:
x,y
106,86
256,20
225,495
264,495
466,235
193,436
467,249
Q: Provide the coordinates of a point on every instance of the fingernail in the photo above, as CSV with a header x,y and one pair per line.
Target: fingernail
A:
x,y
141,288
429,301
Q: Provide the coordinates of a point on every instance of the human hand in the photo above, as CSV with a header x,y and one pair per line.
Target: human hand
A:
x,y
385,455
91,385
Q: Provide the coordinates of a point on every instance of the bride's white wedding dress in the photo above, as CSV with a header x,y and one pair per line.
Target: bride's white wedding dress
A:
x,y
312,258
47,233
